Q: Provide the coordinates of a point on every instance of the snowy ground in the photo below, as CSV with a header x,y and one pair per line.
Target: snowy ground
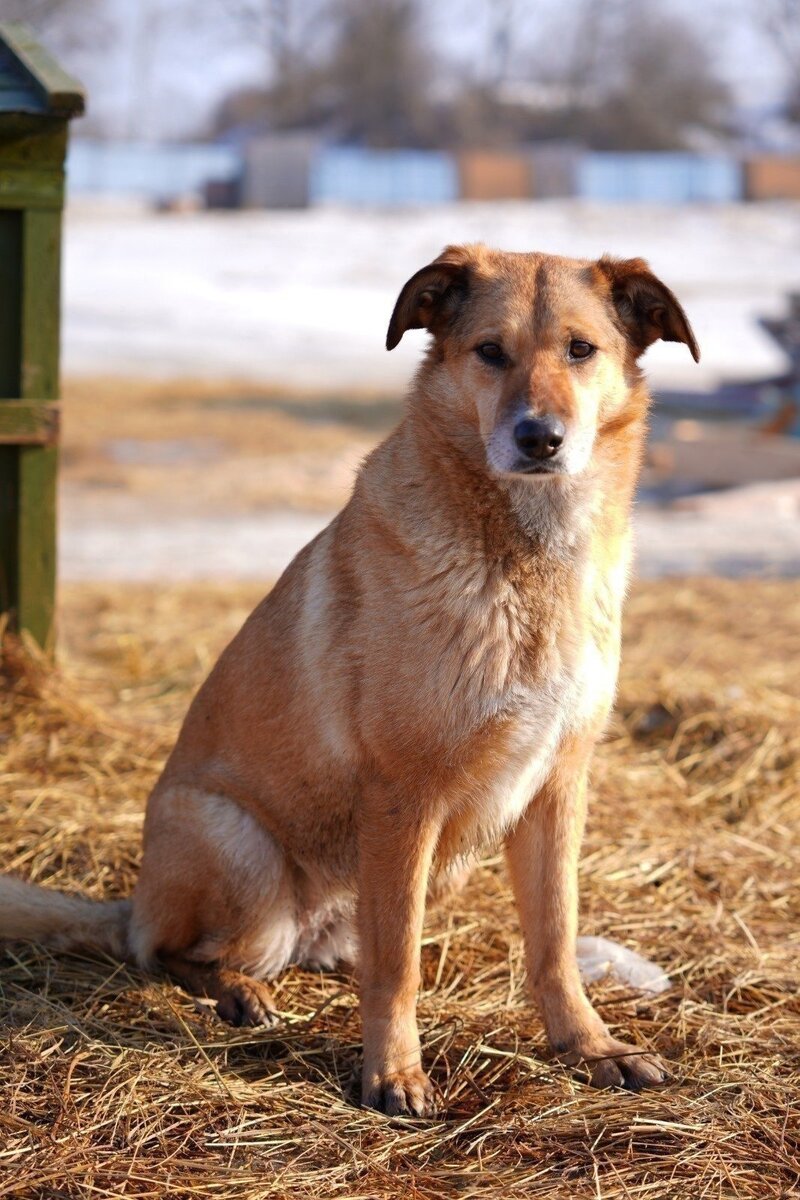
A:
x,y
303,300
260,546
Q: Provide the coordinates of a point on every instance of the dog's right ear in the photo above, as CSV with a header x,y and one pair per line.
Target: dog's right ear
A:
x,y
431,297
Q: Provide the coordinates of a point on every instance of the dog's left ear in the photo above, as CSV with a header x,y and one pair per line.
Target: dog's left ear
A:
x,y
647,308
431,297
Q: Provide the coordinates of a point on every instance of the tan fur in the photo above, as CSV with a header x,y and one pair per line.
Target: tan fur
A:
x,y
429,676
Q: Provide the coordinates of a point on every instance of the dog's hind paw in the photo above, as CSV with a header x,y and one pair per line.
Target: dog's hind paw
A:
x,y
247,1002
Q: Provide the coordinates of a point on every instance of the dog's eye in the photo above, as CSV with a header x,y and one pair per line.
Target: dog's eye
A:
x,y
580,349
491,353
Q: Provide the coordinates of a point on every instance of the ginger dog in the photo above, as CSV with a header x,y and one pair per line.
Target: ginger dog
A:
x,y
429,676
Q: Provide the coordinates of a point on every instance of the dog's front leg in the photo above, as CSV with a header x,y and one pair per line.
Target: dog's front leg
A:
x,y
396,846
542,854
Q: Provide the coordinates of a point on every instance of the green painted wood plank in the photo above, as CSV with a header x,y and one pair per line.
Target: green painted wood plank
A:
x,y
11,303
38,142
10,360
38,466
26,188
41,300
36,562
63,94
25,423
9,494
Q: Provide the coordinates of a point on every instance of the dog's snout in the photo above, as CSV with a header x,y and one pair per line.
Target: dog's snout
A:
x,y
539,437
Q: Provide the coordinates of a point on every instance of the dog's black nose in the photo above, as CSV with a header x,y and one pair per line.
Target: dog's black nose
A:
x,y
539,437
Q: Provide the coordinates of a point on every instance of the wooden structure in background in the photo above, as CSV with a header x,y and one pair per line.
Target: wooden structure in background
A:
x,y
772,177
494,175
37,100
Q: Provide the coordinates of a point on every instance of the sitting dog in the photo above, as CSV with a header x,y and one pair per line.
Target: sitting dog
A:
x,y
428,677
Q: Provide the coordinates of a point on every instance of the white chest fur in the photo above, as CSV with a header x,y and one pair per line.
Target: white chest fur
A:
x,y
540,718
531,757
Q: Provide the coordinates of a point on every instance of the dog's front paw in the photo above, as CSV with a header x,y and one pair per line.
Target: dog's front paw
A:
x,y
606,1063
406,1093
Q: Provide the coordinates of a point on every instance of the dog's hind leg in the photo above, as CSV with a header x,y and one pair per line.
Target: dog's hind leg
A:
x,y
240,999
215,903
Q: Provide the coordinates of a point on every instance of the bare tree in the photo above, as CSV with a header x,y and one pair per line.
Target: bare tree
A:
x,y
64,24
621,75
34,12
293,38
667,86
779,21
380,71
289,32
365,72
610,76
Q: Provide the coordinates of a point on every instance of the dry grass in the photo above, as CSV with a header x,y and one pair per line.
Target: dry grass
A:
x,y
214,447
115,1084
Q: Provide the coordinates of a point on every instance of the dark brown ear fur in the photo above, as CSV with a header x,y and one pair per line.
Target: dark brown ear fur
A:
x,y
646,307
431,297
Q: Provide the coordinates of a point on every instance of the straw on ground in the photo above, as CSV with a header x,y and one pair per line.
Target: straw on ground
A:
x,y
116,1084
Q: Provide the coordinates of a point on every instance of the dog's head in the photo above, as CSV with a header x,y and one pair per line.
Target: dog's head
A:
x,y
537,354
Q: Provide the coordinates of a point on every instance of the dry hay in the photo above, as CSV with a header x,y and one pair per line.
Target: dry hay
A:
x,y
198,446
115,1084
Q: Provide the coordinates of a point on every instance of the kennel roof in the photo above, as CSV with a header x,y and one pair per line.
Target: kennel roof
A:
x,y
31,82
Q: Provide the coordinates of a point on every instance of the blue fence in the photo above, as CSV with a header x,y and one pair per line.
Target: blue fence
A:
x,y
352,175
155,172
659,178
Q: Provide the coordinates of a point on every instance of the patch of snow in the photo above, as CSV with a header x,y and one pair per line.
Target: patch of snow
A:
x,y
599,957
107,546
304,298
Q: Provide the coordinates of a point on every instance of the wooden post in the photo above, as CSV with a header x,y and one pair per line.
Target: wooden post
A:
x,y
36,101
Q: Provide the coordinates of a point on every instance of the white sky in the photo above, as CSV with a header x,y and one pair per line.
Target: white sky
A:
x,y
166,63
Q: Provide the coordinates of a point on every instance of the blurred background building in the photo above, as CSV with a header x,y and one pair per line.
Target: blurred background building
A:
x,y
254,180
398,102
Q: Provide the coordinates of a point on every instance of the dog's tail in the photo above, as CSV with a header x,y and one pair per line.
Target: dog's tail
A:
x,y
31,913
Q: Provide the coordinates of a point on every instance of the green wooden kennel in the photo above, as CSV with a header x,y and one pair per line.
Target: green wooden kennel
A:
x,y
37,101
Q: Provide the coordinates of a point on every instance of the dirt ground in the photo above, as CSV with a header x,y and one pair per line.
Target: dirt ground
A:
x,y
210,448
116,1084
